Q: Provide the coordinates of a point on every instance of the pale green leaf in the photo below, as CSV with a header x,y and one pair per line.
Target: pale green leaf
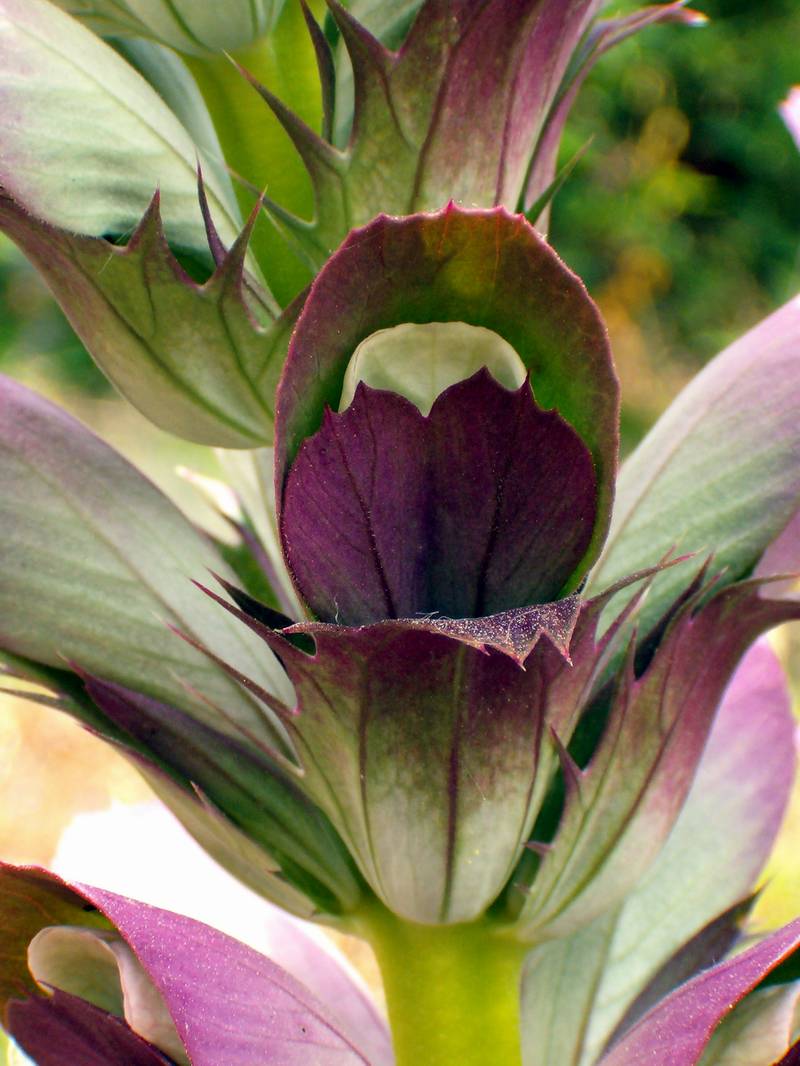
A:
x,y
94,562
194,26
719,473
85,141
760,1029
171,79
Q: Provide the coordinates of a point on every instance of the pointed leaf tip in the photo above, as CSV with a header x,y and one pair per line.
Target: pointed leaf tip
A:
x,y
191,357
680,1028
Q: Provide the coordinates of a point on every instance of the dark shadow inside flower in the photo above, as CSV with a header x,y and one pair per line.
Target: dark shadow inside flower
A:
x,y
486,505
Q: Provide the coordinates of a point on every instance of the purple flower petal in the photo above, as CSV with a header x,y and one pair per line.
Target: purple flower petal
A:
x,y
60,1029
486,505
790,113
229,1003
676,1032
484,268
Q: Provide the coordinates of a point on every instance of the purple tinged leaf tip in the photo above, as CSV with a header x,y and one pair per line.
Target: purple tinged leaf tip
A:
x,y
680,1027
790,113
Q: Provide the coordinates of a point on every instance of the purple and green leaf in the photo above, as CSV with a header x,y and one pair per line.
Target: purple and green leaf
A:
x,y
200,360
622,807
604,35
469,106
94,561
227,1002
260,794
679,1029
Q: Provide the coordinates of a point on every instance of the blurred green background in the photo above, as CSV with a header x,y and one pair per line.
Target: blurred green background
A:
x,y
683,218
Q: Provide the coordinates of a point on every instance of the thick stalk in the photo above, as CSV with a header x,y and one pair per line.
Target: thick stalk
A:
x,y
452,992
253,141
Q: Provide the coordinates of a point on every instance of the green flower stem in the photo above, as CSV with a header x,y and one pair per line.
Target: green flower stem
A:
x,y
452,992
253,141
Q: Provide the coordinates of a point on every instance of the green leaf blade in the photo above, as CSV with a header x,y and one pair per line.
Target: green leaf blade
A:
x,y
720,472
94,561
